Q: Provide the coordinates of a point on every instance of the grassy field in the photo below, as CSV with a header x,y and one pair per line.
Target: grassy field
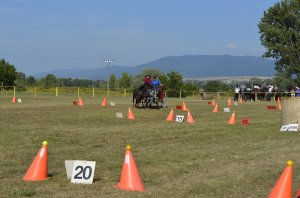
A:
x,y
205,159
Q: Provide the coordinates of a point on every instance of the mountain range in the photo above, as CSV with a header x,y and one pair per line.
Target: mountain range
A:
x,y
190,66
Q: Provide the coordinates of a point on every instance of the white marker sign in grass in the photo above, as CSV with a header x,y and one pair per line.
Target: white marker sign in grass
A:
x,y
226,110
69,167
179,118
290,127
119,115
83,172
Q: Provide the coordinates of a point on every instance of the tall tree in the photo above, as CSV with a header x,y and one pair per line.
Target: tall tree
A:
x,y
8,73
125,80
280,34
174,83
49,81
30,81
112,82
20,80
215,86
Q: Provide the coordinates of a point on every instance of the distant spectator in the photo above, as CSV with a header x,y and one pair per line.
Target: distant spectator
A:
x,y
297,92
270,92
236,93
256,88
292,92
270,88
201,92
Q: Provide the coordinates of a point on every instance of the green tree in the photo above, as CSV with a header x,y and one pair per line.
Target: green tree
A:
x,y
280,35
112,82
215,86
174,83
49,81
8,73
125,81
30,81
20,81
283,81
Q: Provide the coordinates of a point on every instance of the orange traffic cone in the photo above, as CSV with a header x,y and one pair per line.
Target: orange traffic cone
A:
x,y
283,187
241,100
232,119
229,102
130,114
14,100
215,110
213,102
80,102
278,99
103,103
130,178
279,104
189,117
171,116
38,169
184,107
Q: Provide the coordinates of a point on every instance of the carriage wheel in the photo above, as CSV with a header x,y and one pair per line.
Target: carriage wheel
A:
x,y
144,102
164,102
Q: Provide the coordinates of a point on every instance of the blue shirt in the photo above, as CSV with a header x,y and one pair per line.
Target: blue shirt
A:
x,y
297,92
155,83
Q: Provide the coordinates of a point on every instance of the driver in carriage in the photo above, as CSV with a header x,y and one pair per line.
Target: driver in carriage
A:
x,y
155,88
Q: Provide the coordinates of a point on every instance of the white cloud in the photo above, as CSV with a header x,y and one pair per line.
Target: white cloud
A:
x,y
232,45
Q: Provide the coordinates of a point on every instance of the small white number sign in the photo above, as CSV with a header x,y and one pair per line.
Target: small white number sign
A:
x,y
119,115
83,172
290,127
179,118
226,110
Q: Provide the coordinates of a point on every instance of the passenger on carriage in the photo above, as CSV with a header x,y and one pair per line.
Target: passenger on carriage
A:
x,y
147,80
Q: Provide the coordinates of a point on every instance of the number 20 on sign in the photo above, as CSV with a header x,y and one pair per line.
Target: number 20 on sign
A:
x,y
83,172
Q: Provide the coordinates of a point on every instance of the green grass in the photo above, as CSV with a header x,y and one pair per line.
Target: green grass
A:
x,y
205,159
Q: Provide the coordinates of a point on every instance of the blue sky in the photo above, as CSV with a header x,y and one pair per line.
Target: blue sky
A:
x,y
45,35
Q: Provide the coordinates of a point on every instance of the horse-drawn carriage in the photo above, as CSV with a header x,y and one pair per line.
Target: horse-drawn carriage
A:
x,y
148,97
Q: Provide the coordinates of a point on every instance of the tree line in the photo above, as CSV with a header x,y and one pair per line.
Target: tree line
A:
x,y
10,77
171,81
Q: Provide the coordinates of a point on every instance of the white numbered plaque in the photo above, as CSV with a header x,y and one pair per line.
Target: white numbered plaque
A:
x,y
179,118
83,172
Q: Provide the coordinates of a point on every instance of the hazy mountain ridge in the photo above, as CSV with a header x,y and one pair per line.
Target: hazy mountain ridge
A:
x,y
190,66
